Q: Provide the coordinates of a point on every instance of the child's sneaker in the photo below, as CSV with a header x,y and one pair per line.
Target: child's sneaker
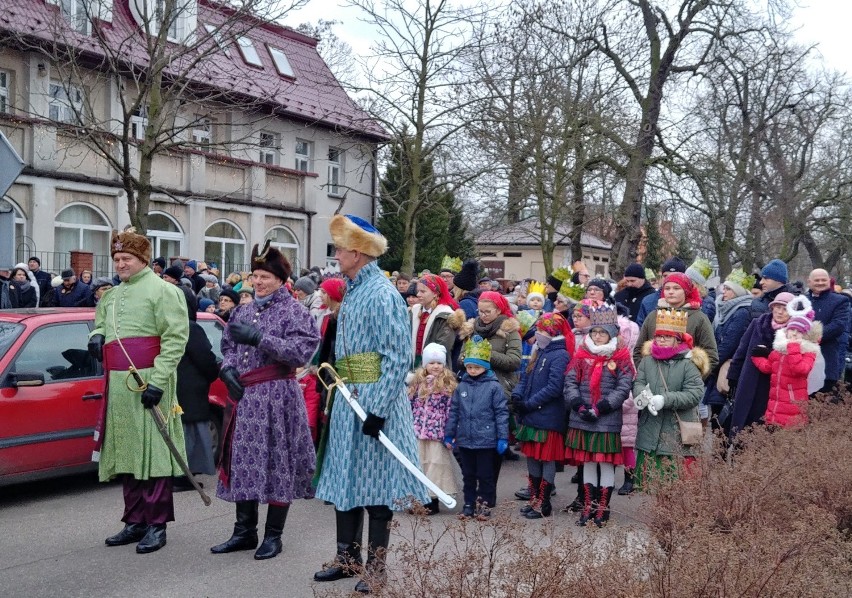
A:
x,y
467,512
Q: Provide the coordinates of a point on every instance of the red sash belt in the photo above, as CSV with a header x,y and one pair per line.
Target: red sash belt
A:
x,y
277,371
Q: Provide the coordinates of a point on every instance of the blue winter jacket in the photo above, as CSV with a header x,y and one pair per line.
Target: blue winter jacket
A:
x,y
649,304
832,310
708,306
728,337
470,303
539,394
479,413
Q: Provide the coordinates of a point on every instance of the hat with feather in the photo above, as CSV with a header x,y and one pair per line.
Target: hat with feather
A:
x,y
271,260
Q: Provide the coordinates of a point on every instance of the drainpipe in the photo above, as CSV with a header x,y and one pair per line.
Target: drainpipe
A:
x,y
375,183
310,236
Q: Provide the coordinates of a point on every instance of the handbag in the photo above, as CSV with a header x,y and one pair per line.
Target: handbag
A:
x,y
691,433
722,380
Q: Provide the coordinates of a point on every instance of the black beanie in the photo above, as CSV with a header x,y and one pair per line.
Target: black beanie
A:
x,y
231,294
602,284
160,261
466,279
635,270
174,272
674,264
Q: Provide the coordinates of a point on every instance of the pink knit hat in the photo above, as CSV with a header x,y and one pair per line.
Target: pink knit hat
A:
x,y
799,323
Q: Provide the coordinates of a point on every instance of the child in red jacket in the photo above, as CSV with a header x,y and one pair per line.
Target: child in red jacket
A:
x,y
789,362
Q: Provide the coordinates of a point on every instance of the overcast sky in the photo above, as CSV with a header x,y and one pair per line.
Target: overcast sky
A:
x,y
826,22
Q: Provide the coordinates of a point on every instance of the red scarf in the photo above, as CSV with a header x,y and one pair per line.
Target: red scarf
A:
x,y
619,358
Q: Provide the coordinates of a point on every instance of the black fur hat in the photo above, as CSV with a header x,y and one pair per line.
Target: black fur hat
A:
x,y
271,260
466,279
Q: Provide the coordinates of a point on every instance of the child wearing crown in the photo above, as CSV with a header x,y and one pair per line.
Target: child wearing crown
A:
x,y
430,393
479,426
672,370
597,383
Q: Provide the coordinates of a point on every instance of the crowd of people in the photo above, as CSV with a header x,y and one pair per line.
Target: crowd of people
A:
x,y
574,371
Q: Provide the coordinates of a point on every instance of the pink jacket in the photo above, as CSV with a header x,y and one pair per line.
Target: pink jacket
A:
x,y
788,365
629,413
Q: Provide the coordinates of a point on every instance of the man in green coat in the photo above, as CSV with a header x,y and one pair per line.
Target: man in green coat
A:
x,y
141,324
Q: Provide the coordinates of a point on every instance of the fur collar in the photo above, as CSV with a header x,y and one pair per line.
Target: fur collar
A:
x,y
508,326
457,319
697,355
780,343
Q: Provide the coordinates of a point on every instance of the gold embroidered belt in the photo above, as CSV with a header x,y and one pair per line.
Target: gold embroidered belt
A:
x,y
360,368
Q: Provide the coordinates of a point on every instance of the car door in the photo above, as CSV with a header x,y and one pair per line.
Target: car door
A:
x,y
50,426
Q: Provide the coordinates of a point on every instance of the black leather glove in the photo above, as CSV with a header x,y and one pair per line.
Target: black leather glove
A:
x,y
604,407
588,415
245,334
151,396
761,351
231,377
373,425
96,347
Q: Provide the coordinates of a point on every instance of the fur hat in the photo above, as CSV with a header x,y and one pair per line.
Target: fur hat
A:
x,y
305,284
775,270
699,270
271,260
356,234
335,288
434,353
129,242
606,318
634,270
673,264
478,352
466,279
174,272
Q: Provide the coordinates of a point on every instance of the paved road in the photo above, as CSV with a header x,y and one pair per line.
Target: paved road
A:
x,y
52,544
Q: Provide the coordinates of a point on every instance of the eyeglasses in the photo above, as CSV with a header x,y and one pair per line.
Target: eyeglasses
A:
x,y
599,332
488,312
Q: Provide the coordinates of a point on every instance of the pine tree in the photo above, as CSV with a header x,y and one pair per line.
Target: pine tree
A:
x,y
653,239
684,250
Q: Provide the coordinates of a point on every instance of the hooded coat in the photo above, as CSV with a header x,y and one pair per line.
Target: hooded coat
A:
x,y
479,414
539,394
698,326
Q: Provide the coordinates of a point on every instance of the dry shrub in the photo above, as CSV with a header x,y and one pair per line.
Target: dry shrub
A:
x,y
775,519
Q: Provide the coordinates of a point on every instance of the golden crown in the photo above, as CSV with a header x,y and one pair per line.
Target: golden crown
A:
x,y
672,320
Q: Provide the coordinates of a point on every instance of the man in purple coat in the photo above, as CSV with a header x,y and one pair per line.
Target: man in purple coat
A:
x,y
268,456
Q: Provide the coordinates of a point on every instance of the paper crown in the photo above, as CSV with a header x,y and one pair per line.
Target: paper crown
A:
x,y
739,277
535,288
477,350
562,273
526,319
604,316
699,270
649,274
672,321
453,264
573,291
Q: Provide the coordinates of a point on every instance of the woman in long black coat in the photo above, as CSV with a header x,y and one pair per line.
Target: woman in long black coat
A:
x,y
22,292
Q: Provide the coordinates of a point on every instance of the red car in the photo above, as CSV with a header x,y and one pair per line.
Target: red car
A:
x,y
51,391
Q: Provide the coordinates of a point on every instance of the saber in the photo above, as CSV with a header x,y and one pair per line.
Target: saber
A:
x,y
161,426
359,411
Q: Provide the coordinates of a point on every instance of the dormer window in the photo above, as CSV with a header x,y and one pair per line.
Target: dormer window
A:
x,y
282,65
181,20
248,51
217,36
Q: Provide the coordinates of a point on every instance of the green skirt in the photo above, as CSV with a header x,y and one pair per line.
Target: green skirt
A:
x,y
659,469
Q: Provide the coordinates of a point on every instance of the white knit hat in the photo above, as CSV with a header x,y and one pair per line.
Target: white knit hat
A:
x,y
434,353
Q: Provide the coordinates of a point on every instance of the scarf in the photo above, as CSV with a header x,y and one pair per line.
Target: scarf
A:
x,y
600,357
726,309
488,330
23,286
665,353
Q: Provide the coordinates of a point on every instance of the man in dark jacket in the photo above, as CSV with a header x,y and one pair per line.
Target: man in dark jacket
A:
x,y
189,271
635,290
649,302
833,311
42,277
773,282
72,290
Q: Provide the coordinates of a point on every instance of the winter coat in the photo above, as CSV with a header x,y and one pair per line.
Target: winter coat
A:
x,y
505,340
728,337
208,293
683,376
430,412
632,298
539,395
198,282
19,298
708,306
43,281
469,304
629,332
195,372
479,414
5,301
70,297
752,394
760,305
697,325
788,364
649,304
438,329
832,309
615,383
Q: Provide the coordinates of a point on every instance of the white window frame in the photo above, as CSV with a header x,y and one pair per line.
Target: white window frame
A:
x,y
285,248
138,123
65,106
5,79
222,242
282,64
105,228
156,236
202,131
75,12
269,148
335,170
175,27
217,37
249,52
303,159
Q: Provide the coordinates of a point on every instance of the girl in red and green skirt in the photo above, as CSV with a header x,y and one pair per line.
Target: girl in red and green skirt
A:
x,y
597,383
540,411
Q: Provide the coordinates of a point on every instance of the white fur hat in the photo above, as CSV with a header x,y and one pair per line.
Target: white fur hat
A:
x,y
434,353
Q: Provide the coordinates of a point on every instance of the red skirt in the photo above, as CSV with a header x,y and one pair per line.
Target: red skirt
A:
x,y
593,447
551,449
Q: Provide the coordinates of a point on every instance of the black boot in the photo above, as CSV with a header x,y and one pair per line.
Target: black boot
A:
x,y
532,504
577,505
434,507
347,561
378,537
276,515
627,486
132,532
245,530
602,513
588,498
155,539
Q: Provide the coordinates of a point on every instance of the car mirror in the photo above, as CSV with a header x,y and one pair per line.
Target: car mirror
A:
x,y
19,379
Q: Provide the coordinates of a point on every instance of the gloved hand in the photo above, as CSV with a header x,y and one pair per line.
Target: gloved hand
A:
x,y
373,425
761,351
519,406
449,442
96,346
245,334
502,445
732,389
603,407
656,404
151,396
587,414
231,377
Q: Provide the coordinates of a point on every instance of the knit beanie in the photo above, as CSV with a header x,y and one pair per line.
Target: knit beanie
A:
x,y
306,285
800,323
174,272
775,270
204,303
699,270
434,353
230,294
192,264
634,270
602,284
160,261
466,279
673,264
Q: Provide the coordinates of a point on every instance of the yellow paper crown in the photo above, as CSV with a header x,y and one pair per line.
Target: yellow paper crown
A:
x,y
672,320
536,287
453,264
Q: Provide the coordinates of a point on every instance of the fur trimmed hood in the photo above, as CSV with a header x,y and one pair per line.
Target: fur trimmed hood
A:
x,y
806,346
509,325
697,355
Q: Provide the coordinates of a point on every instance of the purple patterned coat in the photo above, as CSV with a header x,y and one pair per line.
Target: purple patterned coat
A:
x,y
272,455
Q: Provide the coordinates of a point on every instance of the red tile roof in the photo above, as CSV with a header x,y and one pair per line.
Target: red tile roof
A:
x,y
314,96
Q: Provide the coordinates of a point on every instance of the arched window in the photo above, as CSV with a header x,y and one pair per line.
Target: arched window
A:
x,y
20,241
286,242
225,247
165,235
81,226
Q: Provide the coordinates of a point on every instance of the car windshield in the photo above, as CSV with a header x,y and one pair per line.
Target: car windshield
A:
x,y
9,332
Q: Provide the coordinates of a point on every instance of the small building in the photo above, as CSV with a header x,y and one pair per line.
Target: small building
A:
x,y
513,251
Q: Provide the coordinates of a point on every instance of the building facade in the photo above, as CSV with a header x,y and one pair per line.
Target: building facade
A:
x,y
269,151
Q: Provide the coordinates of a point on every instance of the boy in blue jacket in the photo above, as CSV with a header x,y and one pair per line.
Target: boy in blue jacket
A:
x,y
479,427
